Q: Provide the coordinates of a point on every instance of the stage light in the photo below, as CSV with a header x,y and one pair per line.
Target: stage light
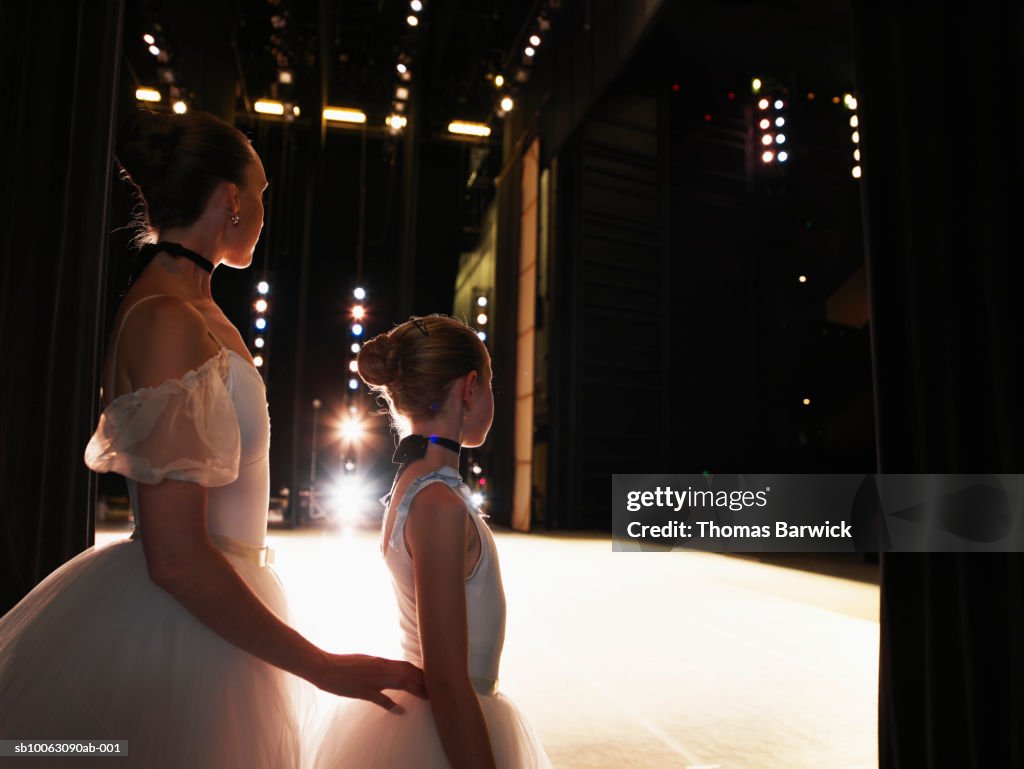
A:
x,y
783,157
402,93
853,121
154,50
780,139
357,329
779,122
481,319
147,94
478,498
507,104
482,336
180,107
416,5
353,384
359,293
258,361
855,136
261,305
768,157
268,107
499,81
401,67
149,39
263,287
259,342
529,51
856,155
469,129
481,301
412,20
477,469
397,122
778,104
534,40
856,172
351,429
350,465
261,323
765,124
755,85
803,278
355,347
358,312
295,110
353,366
284,76
811,96
767,139
763,104
343,115
807,401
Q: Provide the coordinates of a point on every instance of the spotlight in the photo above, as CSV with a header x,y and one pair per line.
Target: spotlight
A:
x,y
856,172
149,39
260,342
353,366
416,5
534,40
342,115
499,81
482,335
478,498
268,107
529,51
780,139
855,136
507,104
856,155
180,107
263,287
779,122
353,384
763,104
765,124
412,21
261,323
766,139
358,312
284,76
357,329
258,361
402,93
768,157
783,157
359,293
803,278
481,319
261,305
469,129
481,301
778,104
154,50
147,94
853,121
755,85
402,68
807,401
355,347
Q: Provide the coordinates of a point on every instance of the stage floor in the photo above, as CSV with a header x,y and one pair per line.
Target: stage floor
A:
x,y
647,660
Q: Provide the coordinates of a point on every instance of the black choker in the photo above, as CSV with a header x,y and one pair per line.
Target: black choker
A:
x,y
148,252
413,447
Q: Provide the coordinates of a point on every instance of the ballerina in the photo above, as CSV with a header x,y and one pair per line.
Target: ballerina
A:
x,y
177,640
435,375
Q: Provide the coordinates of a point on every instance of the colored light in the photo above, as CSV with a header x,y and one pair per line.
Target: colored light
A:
x,y
149,39
807,401
755,85
147,94
482,335
412,20
353,384
765,124
707,118
357,329
343,115
767,139
353,366
534,40
469,129
261,305
768,157
481,318
763,104
507,104
811,96
261,323
499,81
267,107
358,312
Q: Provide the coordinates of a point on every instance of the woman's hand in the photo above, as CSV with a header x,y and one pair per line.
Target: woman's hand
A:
x,y
363,677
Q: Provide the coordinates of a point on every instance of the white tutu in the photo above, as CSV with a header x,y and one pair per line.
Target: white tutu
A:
x,y
363,735
98,651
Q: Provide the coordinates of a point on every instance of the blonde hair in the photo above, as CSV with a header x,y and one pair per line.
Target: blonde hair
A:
x,y
414,365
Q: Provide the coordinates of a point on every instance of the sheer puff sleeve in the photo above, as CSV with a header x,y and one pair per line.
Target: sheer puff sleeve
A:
x,y
185,429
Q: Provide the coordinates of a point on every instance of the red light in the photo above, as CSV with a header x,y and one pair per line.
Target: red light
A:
x,y
707,118
731,96
483,481
675,87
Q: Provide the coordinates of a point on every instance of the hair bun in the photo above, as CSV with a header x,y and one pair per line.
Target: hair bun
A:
x,y
148,141
378,361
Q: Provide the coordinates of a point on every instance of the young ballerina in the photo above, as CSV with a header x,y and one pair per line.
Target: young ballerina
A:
x,y
435,375
176,640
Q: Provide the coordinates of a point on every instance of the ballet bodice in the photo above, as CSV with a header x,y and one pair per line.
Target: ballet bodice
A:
x,y
485,595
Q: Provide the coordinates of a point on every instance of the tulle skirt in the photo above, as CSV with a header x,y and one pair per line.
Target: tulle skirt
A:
x,y
366,736
97,651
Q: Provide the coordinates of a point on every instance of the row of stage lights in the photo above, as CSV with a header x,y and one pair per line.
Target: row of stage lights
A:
x,y
166,73
356,330
261,308
772,122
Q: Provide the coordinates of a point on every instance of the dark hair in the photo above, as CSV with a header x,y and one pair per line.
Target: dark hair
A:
x,y
175,161
413,365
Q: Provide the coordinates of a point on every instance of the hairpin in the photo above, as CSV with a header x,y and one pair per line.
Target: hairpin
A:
x,y
418,322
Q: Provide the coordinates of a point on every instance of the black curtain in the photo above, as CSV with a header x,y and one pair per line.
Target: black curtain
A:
x,y
59,99
940,115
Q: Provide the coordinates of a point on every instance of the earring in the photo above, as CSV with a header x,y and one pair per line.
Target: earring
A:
x,y
235,219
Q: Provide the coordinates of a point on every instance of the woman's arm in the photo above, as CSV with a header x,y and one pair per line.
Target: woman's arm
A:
x,y
436,535
170,339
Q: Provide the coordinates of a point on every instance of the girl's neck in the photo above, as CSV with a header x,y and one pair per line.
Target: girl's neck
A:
x,y
436,455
